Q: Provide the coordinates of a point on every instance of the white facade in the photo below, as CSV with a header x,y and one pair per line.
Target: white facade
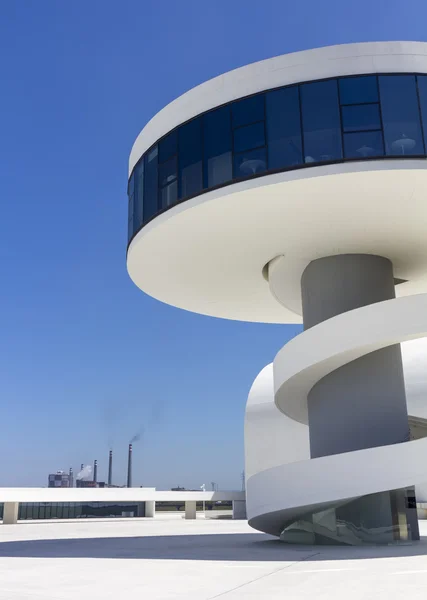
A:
x,y
238,250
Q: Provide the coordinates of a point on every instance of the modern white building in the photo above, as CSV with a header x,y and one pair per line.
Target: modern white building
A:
x,y
294,190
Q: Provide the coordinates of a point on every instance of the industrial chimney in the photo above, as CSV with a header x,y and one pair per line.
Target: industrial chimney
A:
x,y
110,468
95,470
130,466
71,477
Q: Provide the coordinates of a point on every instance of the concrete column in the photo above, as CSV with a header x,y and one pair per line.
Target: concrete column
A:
x,y
363,403
150,508
239,509
10,513
190,509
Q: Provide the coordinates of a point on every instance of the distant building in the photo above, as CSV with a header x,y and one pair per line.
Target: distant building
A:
x,y
60,480
84,483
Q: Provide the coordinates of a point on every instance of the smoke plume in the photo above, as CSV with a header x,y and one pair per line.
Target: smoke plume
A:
x,y
85,473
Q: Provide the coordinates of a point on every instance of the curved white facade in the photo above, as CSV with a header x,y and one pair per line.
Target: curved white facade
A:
x,y
293,190
282,481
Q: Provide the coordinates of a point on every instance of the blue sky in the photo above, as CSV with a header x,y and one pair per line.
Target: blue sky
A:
x,y
86,358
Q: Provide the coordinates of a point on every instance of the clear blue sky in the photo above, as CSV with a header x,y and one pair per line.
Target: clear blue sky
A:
x,y
85,357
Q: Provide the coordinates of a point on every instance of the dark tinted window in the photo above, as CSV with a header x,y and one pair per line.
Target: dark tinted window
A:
x,y
167,146
217,146
248,110
357,90
131,197
422,91
139,195
150,184
250,163
251,136
167,171
283,128
190,158
321,121
169,194
360,117
401,120
363,145
307,123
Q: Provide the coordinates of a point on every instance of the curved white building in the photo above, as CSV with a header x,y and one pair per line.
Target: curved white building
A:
x,y
293,190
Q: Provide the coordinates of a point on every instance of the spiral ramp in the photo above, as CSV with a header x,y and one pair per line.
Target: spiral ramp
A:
x,y
288,493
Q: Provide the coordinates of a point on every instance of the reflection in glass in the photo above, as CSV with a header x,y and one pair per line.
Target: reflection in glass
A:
x,y
358,90
167,171
382,518
169,194
190,158
283,128
363,145
361,117
250,163
217,147
401,119
321,121
248,110
248,137
150,184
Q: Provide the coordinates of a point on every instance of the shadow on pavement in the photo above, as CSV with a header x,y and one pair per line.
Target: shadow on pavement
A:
x,y
228,547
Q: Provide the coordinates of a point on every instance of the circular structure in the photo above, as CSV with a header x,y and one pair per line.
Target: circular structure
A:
x,y
294,190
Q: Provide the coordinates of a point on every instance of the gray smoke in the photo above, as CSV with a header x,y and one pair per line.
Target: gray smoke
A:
x,y
137,436
85,473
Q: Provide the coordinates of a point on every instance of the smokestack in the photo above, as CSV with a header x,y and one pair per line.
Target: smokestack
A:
x,y
71,477
95,470
82,467
130,466
110,468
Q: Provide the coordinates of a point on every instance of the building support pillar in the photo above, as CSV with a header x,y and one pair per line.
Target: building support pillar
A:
x,y
10,513
239,509
150,508
190,509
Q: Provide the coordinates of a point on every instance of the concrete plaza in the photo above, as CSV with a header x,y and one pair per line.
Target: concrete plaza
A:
x,y
170,558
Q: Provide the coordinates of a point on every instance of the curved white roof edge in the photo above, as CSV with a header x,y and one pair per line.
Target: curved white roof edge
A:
x,y
296,67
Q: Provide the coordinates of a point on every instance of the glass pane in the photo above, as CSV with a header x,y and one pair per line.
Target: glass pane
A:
x,y
321,121
41,512
355,90
217,147
150,184
167,146
363,145
248,110
169,194
250,163
167,171
360,117
422,91
251,136
190,158
130,217
139,195
283,128
401,119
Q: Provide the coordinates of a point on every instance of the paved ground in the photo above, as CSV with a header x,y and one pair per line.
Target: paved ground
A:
x,y
169,558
